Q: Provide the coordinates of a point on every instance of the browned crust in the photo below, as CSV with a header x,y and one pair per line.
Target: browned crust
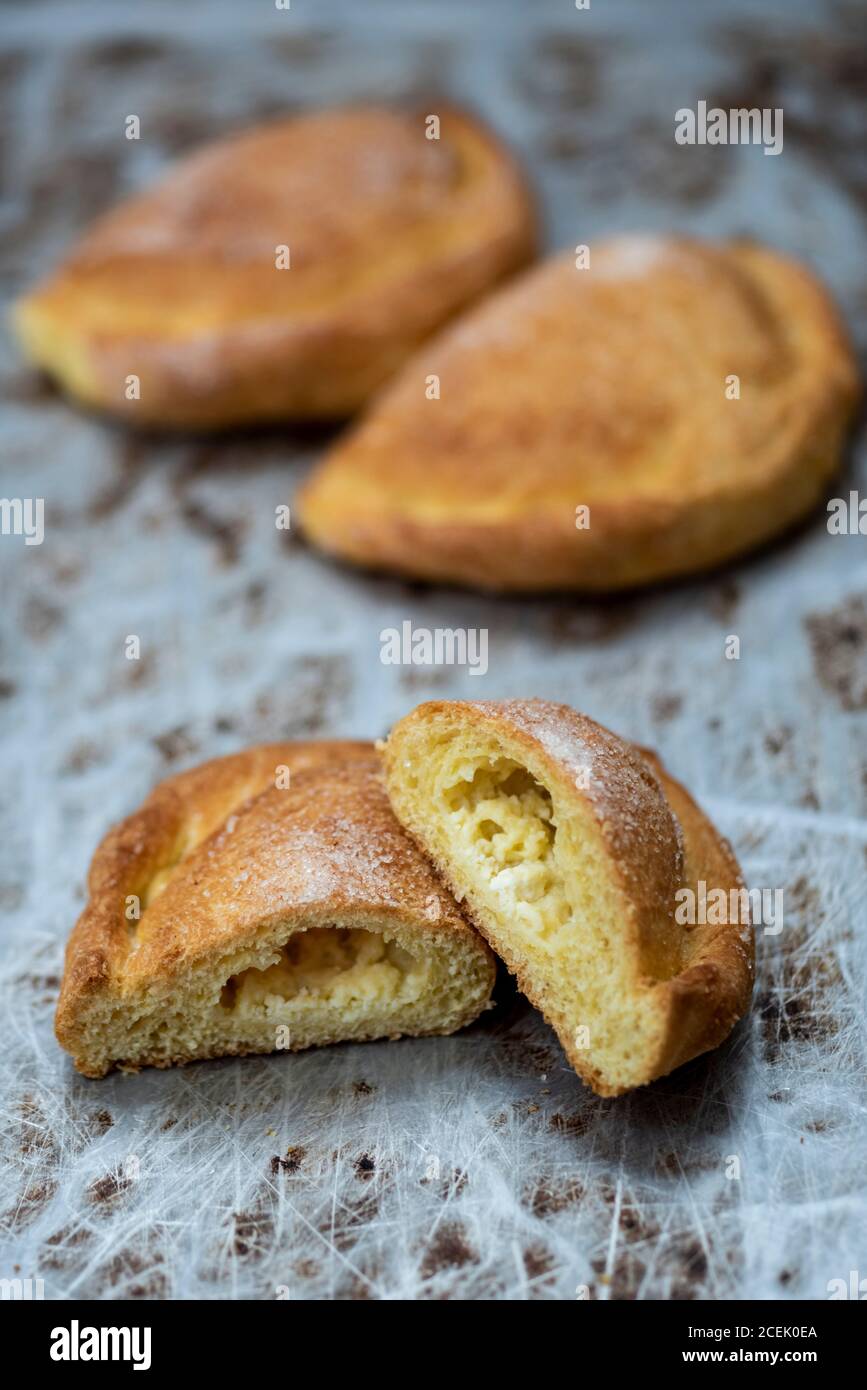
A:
x,y
658,840
370,282
132,852
481,487
324,850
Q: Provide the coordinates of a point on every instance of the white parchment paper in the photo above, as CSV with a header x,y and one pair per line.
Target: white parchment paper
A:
x,y
476,1166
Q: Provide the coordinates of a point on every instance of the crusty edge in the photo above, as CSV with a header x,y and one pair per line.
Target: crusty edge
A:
x,y
328,367
698,1006
630,544
133,850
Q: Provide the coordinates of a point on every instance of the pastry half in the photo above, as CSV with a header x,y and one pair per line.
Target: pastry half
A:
x,y
271,917
283,273
667,407
571,851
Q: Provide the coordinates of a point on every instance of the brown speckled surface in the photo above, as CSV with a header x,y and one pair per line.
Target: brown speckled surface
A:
x,y
473,1166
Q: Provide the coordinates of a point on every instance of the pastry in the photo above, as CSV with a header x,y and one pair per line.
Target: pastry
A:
x,y
282,273
575,855
234,914
670,406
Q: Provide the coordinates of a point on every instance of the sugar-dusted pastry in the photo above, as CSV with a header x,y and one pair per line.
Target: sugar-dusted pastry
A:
x,y
233,914
670,406
581,861
283,273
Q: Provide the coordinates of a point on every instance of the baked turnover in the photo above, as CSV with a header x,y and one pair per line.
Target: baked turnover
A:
x,y
571,850
233,914
283,273
660,411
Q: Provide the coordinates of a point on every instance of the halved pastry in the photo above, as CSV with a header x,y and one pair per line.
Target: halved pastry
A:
x,y
665,407
282,273
575,855
234,914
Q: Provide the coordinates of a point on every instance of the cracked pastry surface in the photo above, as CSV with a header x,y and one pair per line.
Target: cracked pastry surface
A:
x,y
567,847
306,909
388,235
606,389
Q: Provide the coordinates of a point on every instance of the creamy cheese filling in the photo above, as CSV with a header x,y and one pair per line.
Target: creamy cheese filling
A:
x,y
339,966
504,822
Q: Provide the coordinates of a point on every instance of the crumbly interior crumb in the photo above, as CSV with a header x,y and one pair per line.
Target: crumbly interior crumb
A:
x,y
538,879
337,967
504,822
306,986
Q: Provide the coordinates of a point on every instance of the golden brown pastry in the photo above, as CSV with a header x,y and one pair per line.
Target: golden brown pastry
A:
x,y
576,854
667,408
387,234
271,917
